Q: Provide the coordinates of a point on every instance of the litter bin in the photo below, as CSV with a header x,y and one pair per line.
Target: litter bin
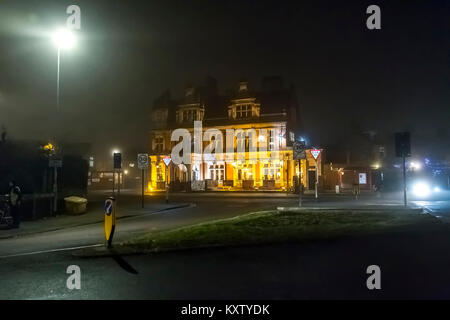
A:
x,y
75,205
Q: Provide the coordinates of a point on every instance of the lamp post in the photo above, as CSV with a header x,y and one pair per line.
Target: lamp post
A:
x,y
63,40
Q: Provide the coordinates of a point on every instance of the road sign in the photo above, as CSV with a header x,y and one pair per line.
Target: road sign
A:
x,y
117,161
299,150
55,163
110,220
108,206
143,161
315,153
167,161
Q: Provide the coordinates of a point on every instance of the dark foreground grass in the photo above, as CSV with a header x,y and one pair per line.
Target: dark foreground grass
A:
x,y
276,227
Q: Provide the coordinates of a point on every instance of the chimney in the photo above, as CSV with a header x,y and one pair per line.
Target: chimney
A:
x,y
243,86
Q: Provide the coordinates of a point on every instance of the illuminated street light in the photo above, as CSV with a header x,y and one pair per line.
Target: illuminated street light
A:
x,y
415,165
64,39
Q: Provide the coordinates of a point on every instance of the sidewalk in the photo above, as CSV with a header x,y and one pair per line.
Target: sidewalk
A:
x,y
259,194
94,215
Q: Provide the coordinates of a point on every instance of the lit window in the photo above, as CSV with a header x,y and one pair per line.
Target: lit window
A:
x,y
190,115
291,136
271,139
159,116
240,141
243,111
217,172
159,144
159,174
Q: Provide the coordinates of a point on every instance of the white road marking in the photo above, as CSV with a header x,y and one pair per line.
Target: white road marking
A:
x,y
50,251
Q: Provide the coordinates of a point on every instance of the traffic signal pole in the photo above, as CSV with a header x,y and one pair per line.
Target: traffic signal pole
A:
x,y
300,189
403,149
317,182
142,195
55,190
167,184
404,180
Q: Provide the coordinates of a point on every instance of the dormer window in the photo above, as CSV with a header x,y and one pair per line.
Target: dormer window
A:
x,y
243,111
190,113
158,144
244,105
160,116
243,108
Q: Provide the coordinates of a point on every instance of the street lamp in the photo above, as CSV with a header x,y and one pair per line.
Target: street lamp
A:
x,y
63,39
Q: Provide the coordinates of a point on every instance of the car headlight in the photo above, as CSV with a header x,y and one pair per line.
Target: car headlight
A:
x,y
421,189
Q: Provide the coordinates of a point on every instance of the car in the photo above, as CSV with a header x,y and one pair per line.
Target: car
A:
x,y
424,188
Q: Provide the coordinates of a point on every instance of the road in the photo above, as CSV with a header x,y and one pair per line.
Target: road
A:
x,y
34,266
91,235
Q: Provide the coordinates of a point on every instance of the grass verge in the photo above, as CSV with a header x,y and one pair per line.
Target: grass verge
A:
x,y
276,227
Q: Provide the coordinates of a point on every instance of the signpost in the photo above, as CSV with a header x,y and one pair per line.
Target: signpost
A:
x,y
299,153
143,161
112,202
403,149
167,160
117,166
316,153
55,164
110,220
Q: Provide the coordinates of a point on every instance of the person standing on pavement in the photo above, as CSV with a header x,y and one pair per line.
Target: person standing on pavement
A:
x,y
15,200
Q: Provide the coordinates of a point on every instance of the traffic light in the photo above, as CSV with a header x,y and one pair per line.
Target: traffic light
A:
x,y
402,144
117,161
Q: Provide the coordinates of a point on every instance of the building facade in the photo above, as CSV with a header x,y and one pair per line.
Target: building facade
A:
x,y
267,120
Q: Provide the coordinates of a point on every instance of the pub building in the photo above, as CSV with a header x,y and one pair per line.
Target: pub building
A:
x,y
274,108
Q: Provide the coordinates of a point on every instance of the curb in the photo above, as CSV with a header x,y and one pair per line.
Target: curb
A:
x,y
391,210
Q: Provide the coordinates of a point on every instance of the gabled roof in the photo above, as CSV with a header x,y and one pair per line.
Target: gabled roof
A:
x,y
277,103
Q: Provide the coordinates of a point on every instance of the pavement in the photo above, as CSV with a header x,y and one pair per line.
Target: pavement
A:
x,y
94,214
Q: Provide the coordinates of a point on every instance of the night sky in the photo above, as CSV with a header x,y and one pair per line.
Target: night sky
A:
x,y
129,52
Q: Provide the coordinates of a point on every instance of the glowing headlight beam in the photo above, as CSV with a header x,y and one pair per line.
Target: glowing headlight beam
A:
x,y
421,189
